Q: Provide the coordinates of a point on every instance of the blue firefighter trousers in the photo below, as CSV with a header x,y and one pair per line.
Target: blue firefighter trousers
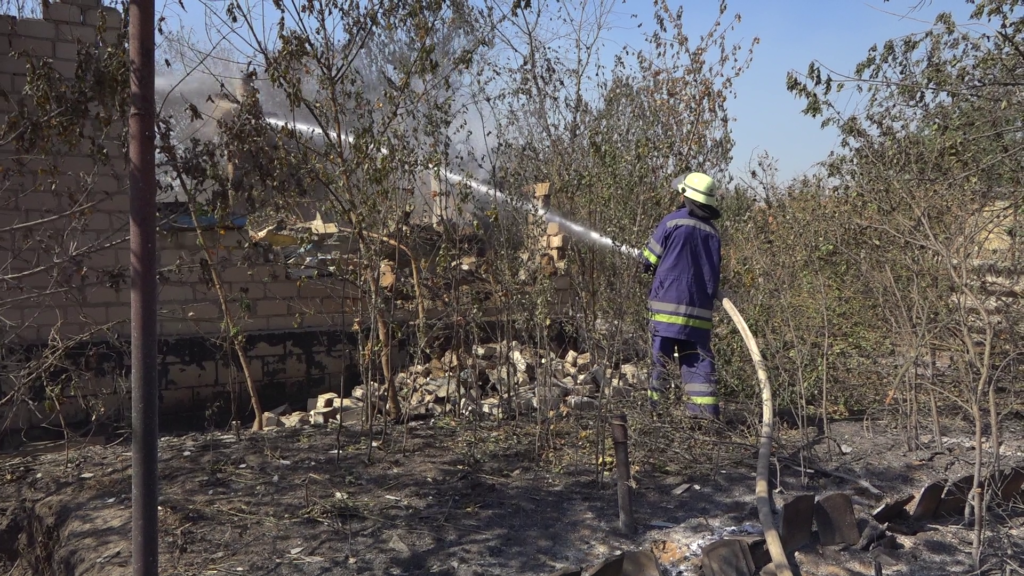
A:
x,y
697,366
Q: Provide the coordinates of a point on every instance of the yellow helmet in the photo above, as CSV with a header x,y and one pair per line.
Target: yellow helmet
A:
x,y
699,187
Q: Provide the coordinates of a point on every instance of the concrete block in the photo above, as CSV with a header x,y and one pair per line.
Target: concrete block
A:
x,y
102,295
75,33
103,259
328,400
727,557
314,289
797,522
107,184
282,289
640,564
64,67
316,321
252,290
176,294
34,28
98,221
255,324
115,203
954,498
201,311
334,306
1008,483
836,520
351,415
892,510
61,12
120,313
296,419
321,416
272,308
235,274
12,65
38,47
281,323
113,17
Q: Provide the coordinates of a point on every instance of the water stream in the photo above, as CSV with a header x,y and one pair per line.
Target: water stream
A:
x,y
484,191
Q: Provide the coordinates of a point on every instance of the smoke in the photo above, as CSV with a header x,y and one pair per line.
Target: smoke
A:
x,y
449,102
468,137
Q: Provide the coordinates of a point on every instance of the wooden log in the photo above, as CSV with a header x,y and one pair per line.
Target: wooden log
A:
x,y
620,437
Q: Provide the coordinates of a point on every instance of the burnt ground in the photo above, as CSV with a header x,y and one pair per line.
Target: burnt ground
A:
x,y
460,499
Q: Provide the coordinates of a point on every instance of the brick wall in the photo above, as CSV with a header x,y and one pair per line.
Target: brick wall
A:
x,y
298,329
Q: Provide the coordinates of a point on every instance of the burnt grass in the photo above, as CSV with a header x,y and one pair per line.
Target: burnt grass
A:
x,y
461,498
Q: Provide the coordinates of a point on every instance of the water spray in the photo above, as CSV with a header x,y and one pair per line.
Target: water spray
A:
x,y
483,190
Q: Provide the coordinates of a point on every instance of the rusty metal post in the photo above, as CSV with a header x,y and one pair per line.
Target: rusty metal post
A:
x,y
620,438
142,191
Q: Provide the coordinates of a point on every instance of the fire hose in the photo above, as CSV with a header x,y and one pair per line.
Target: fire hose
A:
x,y
762,495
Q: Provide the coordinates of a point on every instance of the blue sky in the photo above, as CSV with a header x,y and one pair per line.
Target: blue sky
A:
x,y
792,33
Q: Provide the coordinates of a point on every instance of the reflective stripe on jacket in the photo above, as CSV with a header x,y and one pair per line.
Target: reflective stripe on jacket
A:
x,y
685,255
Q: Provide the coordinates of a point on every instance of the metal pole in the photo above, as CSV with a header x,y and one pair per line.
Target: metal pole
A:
x,y
620,437
142,186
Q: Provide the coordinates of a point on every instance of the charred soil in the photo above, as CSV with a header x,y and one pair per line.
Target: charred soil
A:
x,y
465,498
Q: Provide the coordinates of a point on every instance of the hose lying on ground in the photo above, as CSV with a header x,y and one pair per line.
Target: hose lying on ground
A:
x,y
763,496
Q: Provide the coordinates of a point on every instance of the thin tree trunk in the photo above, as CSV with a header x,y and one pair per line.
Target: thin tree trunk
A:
x,y
977,489
230,322
993,414
936,425
978,486
825,427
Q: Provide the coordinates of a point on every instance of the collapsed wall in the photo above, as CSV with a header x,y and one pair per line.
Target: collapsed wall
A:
x,y
65,273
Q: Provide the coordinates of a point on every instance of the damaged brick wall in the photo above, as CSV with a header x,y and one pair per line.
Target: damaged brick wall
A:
x,y
298,329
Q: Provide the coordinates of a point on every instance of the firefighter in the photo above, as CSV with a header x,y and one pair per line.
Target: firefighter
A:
x,y
684,254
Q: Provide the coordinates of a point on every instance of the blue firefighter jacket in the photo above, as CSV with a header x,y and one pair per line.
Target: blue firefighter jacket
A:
x,y
685,255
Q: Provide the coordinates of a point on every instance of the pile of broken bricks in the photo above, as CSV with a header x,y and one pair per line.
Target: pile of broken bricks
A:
x,y
320,411
509,379
490,381
837,524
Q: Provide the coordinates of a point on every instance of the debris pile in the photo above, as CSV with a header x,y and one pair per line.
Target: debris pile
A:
x,y
492,380
322,410
504,379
